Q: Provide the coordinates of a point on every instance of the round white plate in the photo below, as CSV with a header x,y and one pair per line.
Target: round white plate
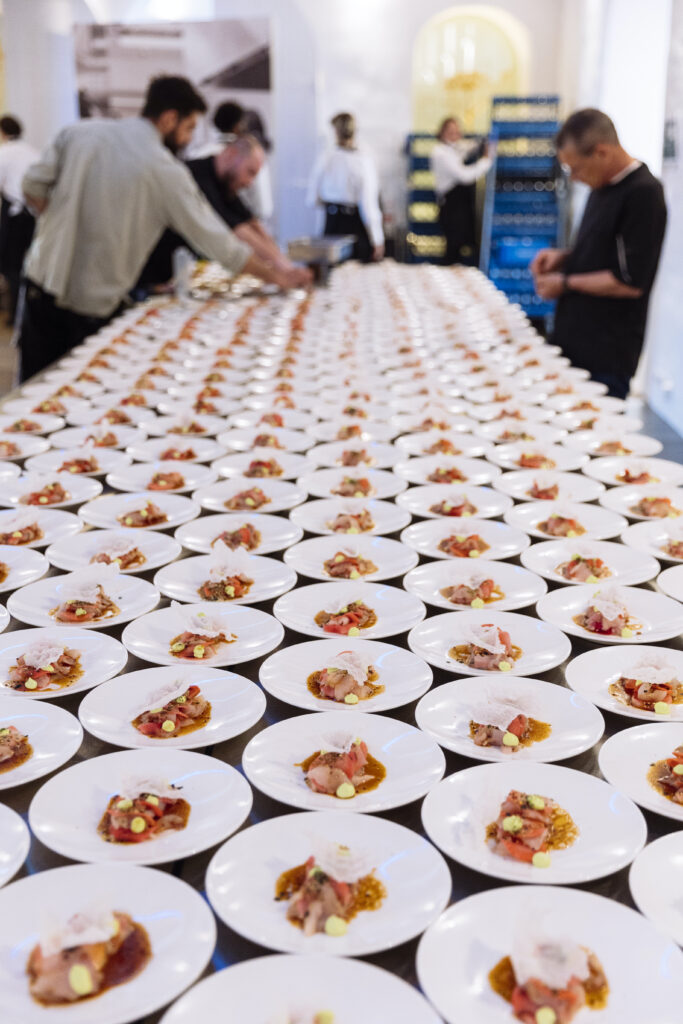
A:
x,y
276,532
612,831
55,524
240,881
390,556
371,430
242,439
414,762
292,465
591,441
539,433
289,988
86,415
608,469
625,760
457,953
15,843
78,489
28,445
54,734
180,926
101,657
651,537
108,460
166,426
487,502
446,712
592,674
504,541
29,406
520,587
32,604
24,565
282,494
508,456
603,403
626,566
293,420
9,472
107,712
315,515
181,580
65,812
529,414
404,677
670,582
599,523
205,449
378,454
77,437
475,471
419,444
45,423
658,617
396,611
661,904
570,486
257,634
105,510
77,552
543,646
623,499
323,483
139,476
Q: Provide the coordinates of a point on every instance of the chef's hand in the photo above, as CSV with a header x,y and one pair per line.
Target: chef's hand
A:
x,y
378,253
295,277
549,286
546,261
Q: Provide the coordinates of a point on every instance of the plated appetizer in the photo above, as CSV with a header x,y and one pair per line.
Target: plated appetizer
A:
x,y
656,508
84,598
9,450
348,431
15,748
343,772
53,406
636,475
355,457
673,547
557,525
456,505
177,454
166,482
528,827
228,574
201,638
122,553
247,537
345,679
114,417
23,426
489,648
85,464
178,709
266,441
460,545
515,435
667,776
188,426
261,468
352,521
149,515
503,722
348,620
50,494
544,491
353,487
535,460
23,530
609,447
44,665
476,592
247,500
650,686
444,446
102,439
143,811
450,475
348,565
584,569
607,615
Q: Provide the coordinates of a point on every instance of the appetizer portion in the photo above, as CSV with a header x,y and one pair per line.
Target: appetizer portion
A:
x,y
51,406
355,457
541,491
528,827
607,615
44,665
650,686
84,598
85,464
263,468
430,424
673,547
488,648
456,505
557,525
446,475
102,439
178,454
535,460
477,592
166,482
667,776
583,569
612,448
115,417
247,537
50,494
348,565
272,419
504,723
348,620
9,450
228,577
346,679
348,431
443,446
200,637
15,748
23,426
353,487
515,435
351,522
181,709
459,545
4,571
149,515
93,952
188,426
656,508
122,553
266,441
245,500
143,811
343,771
21,531
636,475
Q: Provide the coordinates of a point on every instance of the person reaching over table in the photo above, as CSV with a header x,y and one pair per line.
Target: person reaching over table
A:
x,y
603,282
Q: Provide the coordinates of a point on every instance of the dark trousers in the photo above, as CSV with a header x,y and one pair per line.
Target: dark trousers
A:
x,y
458,223
617,384
346,220
47,332
16,233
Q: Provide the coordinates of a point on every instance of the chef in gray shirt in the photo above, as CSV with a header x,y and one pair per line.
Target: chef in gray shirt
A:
x,y
104,192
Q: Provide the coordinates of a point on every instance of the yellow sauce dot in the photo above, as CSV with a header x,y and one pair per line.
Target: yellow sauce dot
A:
x,y
350,698
31,684
80,980
541,860
477,603
354,631
346,791
138,825
335,926
571,533
662,708
168,726
626,632
505,666
592,579
198,651
546,1015
510,740
678,769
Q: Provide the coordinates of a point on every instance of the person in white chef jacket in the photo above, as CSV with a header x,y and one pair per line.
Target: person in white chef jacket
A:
x,y
456,168
16,222
344,181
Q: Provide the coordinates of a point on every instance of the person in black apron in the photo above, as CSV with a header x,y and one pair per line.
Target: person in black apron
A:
x,y
457,165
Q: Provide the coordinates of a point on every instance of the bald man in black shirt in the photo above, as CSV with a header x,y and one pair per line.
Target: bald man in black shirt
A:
x,y
603,282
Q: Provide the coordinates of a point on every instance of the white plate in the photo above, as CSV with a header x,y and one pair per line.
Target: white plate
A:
x,y
600,423
44,421
315,515
65,812
276,532
180,926
661,904
101,657
456,954
28,445
504,541
475,471
604,403
508,455
284,988
205,449
379,455
404,677
78,489
446,712
658,617
608,469
181,580
108,460
322,483
86,415
419,444
599,523
371,430
612,831
293,419
627,566
77,437
592,674
242,440
540,433
543,646
165,426
625,760
282,494
670,582
240,881
529,414
107,712
390,556
487,502
9,472
396,611
24,565
54,735
77,552
589,441
292,464
29,406
414,762
139,476
15,843
652,536
105,510
520,587
33,603
149,637
623,499
55,524
570,486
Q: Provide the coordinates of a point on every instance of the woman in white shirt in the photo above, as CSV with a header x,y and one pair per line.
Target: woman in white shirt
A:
x,y
344,181
456,169
16,222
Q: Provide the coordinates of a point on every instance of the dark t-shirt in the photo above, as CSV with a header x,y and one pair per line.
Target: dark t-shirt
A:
x,y
622,230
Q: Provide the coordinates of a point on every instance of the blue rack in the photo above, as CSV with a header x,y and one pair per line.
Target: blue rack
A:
x,y
424,241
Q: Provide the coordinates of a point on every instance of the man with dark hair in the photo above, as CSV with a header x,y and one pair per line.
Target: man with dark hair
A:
x,y
16,222
105,192
227,118
603,281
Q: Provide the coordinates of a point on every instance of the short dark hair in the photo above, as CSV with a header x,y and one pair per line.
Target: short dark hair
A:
x,y
228,116
10,127
585,129
444,124
170,92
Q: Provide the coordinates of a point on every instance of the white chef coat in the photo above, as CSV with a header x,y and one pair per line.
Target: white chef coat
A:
x,y
449,167
16,156
348,177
